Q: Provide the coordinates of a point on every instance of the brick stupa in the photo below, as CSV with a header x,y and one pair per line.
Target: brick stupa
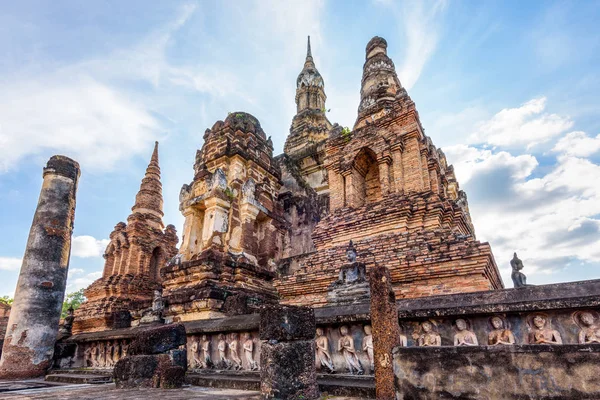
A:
x,y
134,256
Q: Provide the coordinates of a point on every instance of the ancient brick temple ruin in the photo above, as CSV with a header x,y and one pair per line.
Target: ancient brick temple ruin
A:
x,y
311,227
136,252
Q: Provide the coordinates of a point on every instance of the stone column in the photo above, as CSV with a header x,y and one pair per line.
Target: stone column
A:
x,y
33,323
287,355
386,331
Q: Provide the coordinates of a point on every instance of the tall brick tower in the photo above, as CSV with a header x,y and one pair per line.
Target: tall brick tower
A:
x,y
305,195
393,194
136,252
232,224
310,124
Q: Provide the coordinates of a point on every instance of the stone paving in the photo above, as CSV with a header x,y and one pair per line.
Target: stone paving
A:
x,y
109,392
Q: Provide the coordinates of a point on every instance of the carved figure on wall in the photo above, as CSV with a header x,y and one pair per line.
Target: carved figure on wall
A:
x,y
428,336
322,352
233,351
519,279
346,347
541,333
403,338
590,332
94,355
367,345
124,348
102,355
109,354
87,356
207,362
463,336
224,362
499,334
116,352
195,361
248,349
158,304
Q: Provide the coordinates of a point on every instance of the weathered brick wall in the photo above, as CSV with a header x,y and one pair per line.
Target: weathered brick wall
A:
x,y
411,235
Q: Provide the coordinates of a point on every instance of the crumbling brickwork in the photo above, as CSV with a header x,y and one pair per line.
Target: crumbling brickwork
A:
x,y
136,252
233,223
260,228
392,192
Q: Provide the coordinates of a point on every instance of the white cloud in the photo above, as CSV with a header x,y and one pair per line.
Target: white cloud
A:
x,y
83,282
75,271
421,25
88,246
548,214
549,220
10,263
577,144
82,118
469,161
526,125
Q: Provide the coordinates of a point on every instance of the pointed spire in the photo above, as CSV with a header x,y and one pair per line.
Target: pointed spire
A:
x,y
149,200
309,63
379,84
154,159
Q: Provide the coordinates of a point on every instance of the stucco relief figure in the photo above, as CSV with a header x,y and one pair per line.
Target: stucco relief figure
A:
x,y
519,279
499,334
195,361
367,345
94,355
109,354
346,347
233,351
158,304
124,348
590,332
102,355
322,356
206,360
428,337
403,338
222,347
463,336
116,352
87,356
542,334
248,350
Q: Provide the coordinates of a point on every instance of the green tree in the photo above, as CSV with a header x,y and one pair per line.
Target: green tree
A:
x,y
72,300
6,300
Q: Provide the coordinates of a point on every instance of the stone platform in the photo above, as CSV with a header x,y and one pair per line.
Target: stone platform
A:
x,y
76,378
337,385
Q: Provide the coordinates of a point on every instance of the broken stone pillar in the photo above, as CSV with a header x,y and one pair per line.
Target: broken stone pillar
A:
x,y
157,358
33,323
386,331
287,356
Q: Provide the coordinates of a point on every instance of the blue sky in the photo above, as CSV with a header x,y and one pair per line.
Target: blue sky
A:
x,y
508,89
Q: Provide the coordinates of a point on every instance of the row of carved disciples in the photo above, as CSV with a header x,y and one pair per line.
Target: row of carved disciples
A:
x,y
105,354
229,349
540,332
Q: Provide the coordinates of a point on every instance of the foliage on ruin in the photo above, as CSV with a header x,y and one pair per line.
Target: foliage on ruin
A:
x,y
72,300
